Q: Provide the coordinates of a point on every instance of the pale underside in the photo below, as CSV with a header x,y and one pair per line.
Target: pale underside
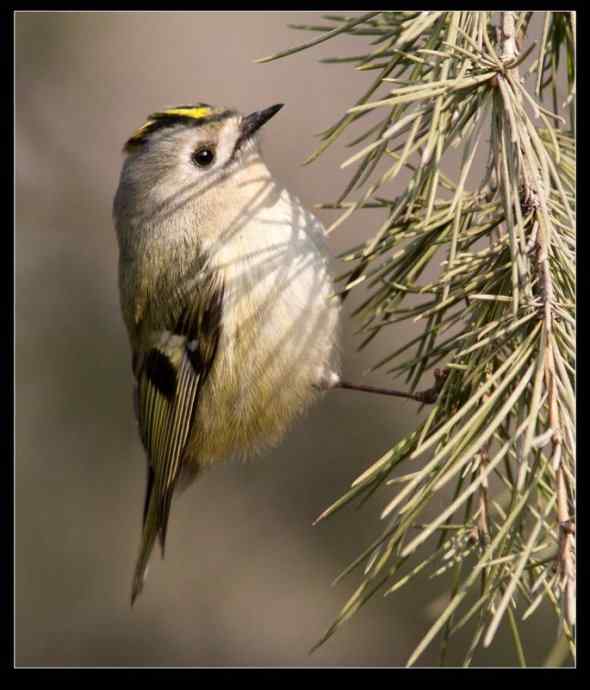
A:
x,y
279,331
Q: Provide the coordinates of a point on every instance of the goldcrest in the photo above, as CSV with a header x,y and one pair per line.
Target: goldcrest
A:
x,y
226,295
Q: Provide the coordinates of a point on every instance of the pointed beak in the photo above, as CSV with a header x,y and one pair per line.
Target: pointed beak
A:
x,y
254,122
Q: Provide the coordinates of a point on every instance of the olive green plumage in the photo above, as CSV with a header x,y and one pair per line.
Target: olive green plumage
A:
x,y
169,378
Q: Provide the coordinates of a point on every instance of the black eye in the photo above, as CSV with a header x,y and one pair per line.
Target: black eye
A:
x,y
203,156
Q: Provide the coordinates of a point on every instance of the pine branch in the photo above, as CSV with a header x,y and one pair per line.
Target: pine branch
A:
x,y
498,315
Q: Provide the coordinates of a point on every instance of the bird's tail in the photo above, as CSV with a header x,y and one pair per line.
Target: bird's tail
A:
x,y
148,539
155,520
147,544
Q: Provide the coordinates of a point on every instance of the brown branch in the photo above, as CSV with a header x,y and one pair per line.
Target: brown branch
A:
x,y
426,397
565,556
534,196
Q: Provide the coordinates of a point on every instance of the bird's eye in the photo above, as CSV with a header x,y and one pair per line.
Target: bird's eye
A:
x,y
203,156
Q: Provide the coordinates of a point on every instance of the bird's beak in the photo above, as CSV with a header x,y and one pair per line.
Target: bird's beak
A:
x,y
254,122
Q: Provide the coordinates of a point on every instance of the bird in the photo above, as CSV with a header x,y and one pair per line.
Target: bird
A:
x,y
226,295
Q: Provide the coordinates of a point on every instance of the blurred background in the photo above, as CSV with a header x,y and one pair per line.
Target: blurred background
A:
x,y
246,580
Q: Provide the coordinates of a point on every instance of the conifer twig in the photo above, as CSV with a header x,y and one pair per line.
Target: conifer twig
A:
x,y
496,310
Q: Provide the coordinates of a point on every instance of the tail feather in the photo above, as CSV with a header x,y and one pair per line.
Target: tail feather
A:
x,y
147,545
148,493
155,520
163,523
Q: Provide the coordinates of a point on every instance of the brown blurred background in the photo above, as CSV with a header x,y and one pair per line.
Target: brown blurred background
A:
x,y
246,580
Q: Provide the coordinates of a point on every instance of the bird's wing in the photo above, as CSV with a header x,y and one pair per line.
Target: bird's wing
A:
x,y
170,376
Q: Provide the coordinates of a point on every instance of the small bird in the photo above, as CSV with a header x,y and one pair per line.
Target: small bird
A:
x,y
226,295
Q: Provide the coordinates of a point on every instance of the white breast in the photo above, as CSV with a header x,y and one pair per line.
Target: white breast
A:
x,y
280,322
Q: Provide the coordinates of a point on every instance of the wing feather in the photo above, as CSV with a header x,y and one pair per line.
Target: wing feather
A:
x,y
170,376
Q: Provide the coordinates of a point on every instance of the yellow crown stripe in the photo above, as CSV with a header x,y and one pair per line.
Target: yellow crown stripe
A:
x,y
138,132
196,113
